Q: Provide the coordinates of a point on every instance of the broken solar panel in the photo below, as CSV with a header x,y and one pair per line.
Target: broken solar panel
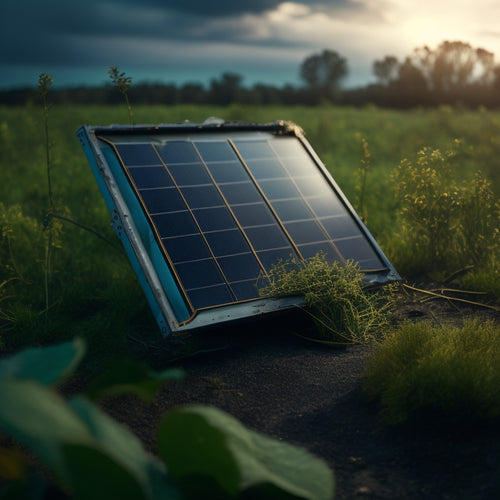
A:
x,y
205,211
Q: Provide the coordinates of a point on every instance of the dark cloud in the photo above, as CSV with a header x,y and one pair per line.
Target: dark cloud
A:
x,y
65,31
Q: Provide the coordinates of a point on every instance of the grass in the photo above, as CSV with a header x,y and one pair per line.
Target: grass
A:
x,y
448,374
93,289
334,297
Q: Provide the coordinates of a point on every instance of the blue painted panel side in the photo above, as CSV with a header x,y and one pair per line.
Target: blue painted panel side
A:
x,y
147,237
165,276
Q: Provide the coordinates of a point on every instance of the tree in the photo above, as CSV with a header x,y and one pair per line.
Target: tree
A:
x,y
386,69
225,90
323,72
454,66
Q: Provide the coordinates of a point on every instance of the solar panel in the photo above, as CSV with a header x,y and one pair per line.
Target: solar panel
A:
x,y
206,210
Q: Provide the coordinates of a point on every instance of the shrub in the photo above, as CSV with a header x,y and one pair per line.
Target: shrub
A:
x,y
443,373
334,296
446,225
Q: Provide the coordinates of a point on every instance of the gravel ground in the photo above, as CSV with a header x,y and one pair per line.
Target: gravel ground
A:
x,y
310,395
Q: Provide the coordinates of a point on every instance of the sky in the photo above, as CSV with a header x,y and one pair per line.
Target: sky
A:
x,y
264,41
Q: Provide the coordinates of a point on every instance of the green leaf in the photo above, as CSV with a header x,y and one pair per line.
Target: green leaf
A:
x,y
94,475
46,365
200,440
118,447
41,420
197,455
131,377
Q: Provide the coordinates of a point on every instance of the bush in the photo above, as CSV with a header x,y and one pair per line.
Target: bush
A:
x,y
446,225
437,373
334,296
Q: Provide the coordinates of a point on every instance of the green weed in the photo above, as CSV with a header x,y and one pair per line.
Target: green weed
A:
x,y
441,374
446,224
123,83
334,296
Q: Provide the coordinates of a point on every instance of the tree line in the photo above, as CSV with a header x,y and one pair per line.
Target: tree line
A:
x,y
454,73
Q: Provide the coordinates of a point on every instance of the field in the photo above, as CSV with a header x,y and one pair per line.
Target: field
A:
x,y
82,285
426,182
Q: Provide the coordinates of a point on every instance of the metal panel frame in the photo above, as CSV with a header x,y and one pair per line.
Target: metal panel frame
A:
x,y
141,247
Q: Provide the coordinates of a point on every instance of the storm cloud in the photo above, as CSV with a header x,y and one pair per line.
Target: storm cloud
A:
x,y
224,34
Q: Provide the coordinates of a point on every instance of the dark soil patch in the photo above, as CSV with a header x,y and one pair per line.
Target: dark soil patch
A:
x,y
311,395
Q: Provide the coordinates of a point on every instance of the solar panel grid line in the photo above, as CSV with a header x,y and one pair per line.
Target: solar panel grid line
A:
x,y
152,224
320,219
215,260
172,264
264,197
304,199
386,267
229,208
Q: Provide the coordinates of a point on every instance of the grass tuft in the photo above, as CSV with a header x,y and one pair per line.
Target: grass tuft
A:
x,y
334,296
435,375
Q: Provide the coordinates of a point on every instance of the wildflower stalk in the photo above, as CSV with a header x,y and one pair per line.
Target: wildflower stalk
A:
x,y
122,82
363,171
44,83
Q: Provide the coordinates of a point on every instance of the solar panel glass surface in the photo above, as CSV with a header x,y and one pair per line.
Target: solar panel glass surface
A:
x,y
226,207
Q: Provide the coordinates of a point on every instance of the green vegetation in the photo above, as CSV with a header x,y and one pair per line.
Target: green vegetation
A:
x,y
202,451
93,290
334,296
446,374
445,225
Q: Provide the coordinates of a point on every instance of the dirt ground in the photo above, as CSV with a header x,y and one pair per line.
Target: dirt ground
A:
x,y
310,395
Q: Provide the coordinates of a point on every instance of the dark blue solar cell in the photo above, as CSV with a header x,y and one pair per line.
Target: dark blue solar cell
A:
x,y
137,154
175,224
214,219
298,167
315,185
202,196
150,177
190,174
245,290
228,172
162,200
266,169
294,209
227,242
305,231
340,227
239,267
178,152
253,214
288,147
216,151
241,192
311,249
210,296
327,205
276,189
265,237
199,273
358,249
185,248
272,257
250,150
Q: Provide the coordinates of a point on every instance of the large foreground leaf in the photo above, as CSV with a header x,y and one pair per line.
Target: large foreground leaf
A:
x,y
131,377
46,365
204,441
81,445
